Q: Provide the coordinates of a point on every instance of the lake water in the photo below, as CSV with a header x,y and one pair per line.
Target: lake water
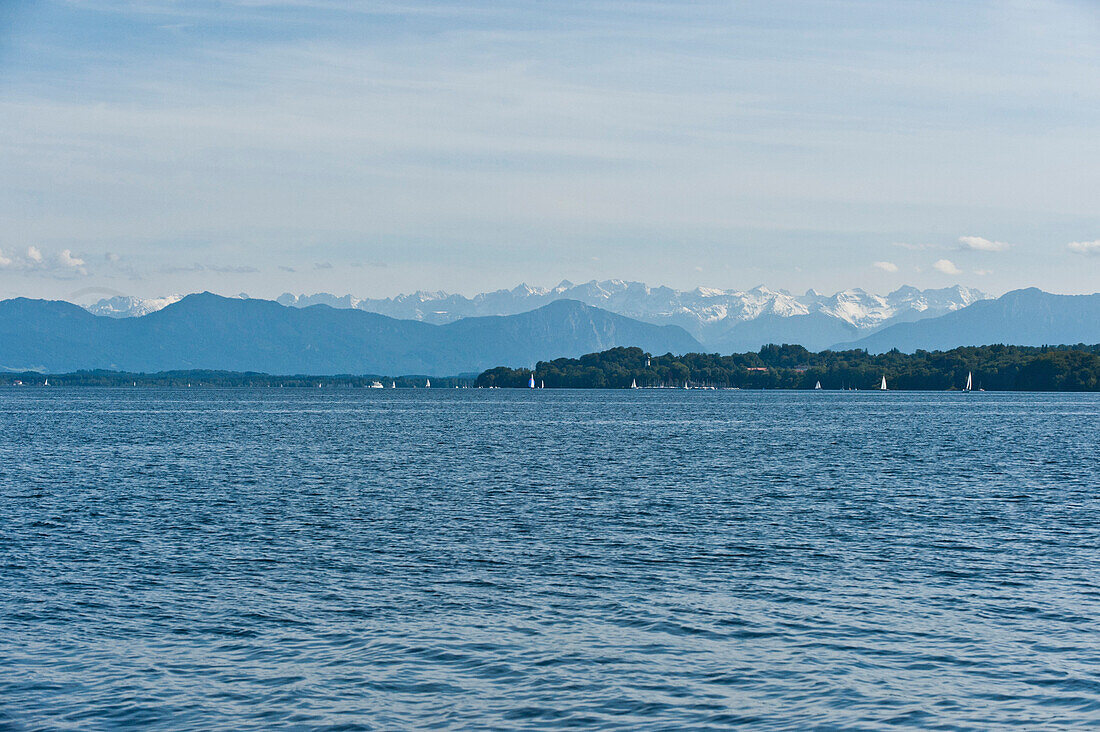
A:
x,y
254,559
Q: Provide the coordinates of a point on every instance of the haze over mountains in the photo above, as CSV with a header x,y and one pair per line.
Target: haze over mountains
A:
x,y
1028,317
207,331
722,320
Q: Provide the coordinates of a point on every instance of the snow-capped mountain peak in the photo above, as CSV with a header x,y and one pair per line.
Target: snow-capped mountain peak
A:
x,y
127,306
713,315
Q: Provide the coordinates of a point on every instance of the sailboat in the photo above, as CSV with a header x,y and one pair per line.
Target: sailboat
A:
x,y
47,383
531,382
542,384
427,383
882,386
393,384
969,381
633,383
817,386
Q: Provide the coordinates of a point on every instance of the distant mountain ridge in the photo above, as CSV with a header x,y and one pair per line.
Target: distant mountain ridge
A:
x,y
728,320
1027,317
206,331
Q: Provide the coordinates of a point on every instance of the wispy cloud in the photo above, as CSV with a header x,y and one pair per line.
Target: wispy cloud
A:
x,y
1085,247
981,244
946,266
886,266
556,130
218,268
63,265
916,247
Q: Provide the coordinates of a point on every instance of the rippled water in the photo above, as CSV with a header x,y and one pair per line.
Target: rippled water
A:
x,y
249,559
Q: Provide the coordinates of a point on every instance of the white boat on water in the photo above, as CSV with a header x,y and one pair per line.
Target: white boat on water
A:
x,y
633,383
531,382
969,381
882,386
393,384
376,385
427,383
817,386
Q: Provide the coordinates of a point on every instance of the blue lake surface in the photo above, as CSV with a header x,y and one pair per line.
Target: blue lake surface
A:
x,y
266,558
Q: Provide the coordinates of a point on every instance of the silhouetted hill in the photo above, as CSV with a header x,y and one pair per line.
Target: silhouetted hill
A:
x,y
206,331
1028,317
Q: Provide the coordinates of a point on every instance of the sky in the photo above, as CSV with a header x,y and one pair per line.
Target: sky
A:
x,y
158,147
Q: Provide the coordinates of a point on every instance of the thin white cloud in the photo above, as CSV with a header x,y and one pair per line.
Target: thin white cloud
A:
x,y
1085,247
983,272
946,266
64,265
66,259
981,244
886,266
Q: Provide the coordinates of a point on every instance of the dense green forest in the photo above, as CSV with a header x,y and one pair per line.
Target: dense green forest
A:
x,y
196,378
1001,368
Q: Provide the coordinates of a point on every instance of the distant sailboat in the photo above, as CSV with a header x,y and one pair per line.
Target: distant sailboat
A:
x,y
882,386
393,384
427,383
969,381
817,386
542,384
633,383
531,382
46,383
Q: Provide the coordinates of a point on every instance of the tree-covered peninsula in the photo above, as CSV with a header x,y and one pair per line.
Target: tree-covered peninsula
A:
x,y
994,368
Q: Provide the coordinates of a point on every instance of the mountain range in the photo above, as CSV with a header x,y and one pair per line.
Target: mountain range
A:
x,y
1028,317
722,320
206,331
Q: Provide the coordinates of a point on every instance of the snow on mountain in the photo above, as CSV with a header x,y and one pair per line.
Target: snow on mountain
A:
x,y
126,306
710,314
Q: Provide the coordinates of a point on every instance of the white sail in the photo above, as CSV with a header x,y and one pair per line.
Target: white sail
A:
x,y
969,381
882,386
542,384
427,383
531,382
633,383
393,384
817,385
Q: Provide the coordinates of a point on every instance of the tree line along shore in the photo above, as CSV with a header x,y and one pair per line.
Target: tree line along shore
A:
x,y
993,368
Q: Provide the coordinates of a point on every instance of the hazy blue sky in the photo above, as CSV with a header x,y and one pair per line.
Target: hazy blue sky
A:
x,y
155,147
